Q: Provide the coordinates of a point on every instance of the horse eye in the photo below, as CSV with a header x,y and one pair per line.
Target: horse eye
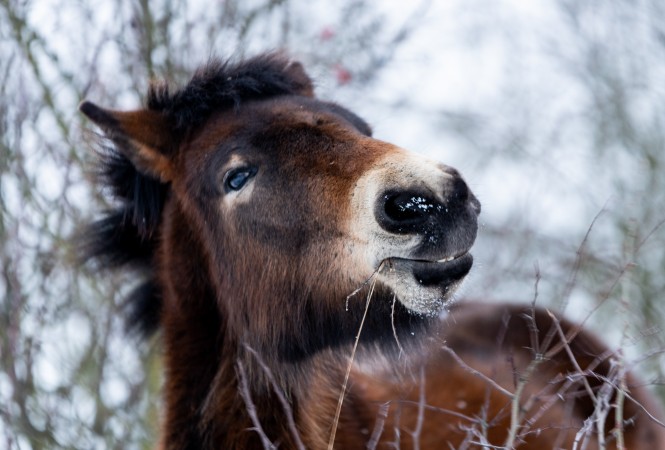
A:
x,y
235,179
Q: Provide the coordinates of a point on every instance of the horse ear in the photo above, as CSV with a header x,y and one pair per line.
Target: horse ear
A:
x,y
143,136
304,85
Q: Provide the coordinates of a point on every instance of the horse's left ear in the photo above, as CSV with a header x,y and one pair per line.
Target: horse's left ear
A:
x,y
303,83
143,136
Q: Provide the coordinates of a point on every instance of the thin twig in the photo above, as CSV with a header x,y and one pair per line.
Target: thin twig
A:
x,y
618,405
436,409
415,434
392,322
531,320
360,288
378,427
578,261
333,432
649,234
475,372
644,410
251,408
582,433
280,396
570,354
602,409
516,409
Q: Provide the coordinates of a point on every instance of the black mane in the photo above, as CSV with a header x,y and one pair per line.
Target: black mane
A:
x,y
127,235
221,84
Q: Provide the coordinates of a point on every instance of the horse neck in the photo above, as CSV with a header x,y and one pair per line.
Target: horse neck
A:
x,y
214,383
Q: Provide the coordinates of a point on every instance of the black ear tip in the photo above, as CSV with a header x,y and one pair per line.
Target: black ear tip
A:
x,y
98,115
88,108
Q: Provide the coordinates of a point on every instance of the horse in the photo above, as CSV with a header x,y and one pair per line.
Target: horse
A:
x,y
302,273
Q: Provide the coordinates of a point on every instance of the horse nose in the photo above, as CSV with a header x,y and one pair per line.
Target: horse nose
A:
x,y
460,192
409,211
463,195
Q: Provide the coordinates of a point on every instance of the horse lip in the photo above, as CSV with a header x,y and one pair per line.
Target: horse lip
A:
x,y
452,258
444,260
442,272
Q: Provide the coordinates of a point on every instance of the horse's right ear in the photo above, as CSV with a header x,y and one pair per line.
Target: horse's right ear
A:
x,y
143,136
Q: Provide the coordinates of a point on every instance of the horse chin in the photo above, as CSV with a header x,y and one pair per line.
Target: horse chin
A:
x,y
426,287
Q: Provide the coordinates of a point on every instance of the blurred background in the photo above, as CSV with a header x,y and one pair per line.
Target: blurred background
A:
x,y
554,111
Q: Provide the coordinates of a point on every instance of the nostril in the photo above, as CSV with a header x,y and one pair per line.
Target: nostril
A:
x,y
401,212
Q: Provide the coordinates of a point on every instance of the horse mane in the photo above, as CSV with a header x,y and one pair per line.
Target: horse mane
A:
x,y
127,235
223,84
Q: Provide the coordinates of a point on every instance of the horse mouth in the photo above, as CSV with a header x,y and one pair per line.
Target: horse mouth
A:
x,y
442,272
426,286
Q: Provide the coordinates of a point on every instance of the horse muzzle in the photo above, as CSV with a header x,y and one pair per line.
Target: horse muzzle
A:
x,y
441,223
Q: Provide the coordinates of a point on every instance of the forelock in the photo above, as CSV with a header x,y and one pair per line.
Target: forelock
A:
x,y
224,84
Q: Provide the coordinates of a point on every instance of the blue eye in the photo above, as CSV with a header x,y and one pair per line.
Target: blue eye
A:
x,y
236,179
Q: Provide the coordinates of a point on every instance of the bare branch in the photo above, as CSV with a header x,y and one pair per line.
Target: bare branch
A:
x,y
378,426
286,406
251,408
476,373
